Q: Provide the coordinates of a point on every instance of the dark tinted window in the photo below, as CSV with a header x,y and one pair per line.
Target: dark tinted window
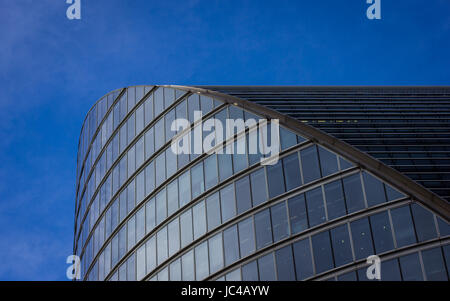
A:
x,y
275,179
323,256
292,171
381,231
334,196
424,221
410,267
341,245
310,164
285,264
297,213
266,268
434,265
243,197
328,162
403,226
250,271
279,221
303,259
259,188
231,245
374,190
263,229
362,238
353,193
315,205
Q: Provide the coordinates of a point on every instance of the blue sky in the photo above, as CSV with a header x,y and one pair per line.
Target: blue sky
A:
x,y
52,70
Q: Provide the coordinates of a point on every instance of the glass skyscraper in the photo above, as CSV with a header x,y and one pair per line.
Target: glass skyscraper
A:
x,y
362,171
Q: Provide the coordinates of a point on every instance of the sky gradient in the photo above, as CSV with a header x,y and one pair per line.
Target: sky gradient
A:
x,y
52,70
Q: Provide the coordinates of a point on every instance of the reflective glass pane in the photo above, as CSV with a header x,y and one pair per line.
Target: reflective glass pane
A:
x,y
201,261
381,231
160,168
410,267
161,238
353,193
186,228
172,197
259,187
246,237
231,245
161,206
198,186
175,270
211,171
328,162
342,249
434,265
291,169
151,254
275,179
225,166
285,264
227,202
263,229
424,221
362,238
323,256
150,215
199,219
187,266
374,190
315,205
266,268
184,187
280,224
250,271
213,211
334,196
403,226
310,164
297,213
174,236
243,197
215,253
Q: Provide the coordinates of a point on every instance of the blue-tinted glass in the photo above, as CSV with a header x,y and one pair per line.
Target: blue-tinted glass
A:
x,y
287,138
323,256
328,162
410,267
280,224
246,237
172,197
161,206
201,264
353,193
187,266
390,270
213,211
341,245
159,101
197,181
175,270
344,163
171,162
160,168
381,231
263,229
227,202
350,276
149,178
186,228
444,227
310,164
374,190
362,238
151,254
225,166
275,179
193,105
254,155
150,215
243,197
446,250
424,221
392,194
184,188
199,219
170,117
335,199
250,271
161,242
285,264
434,265
297,213
210,171
303,259
231,245
169,97
259,187
149,143
291,169
315,205
215,253
266,268
403,226
239,156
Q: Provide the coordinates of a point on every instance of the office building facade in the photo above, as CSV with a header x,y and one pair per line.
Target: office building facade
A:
x,y
362,171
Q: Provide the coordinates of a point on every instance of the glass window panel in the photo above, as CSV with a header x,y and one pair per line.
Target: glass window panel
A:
x,y
186,228
291,169
350,276
287,138
258,183
381,231
227,202
161,206
374,190
393,194
424,221
149,143
250,271
170,118
159,134
263,229
444,227
131,127
159,101
115,250
410,267
403,226
131,232
161,238
233,275
163,275
184,187
334,196
140,224
297,213
315,205
275,179
122,272
198,186
160,168
344,164
266,268
239,156
323,257
231,245
122,241
280,224
148,108
174,236
150,217
206,104
171,160
225,166
172,197
123,204
199,218
193,105
215,253
210,171
434,265
201,261
131,268
181,110
310,164
213,211
353,193
246,237
390,271
341,245
140,186
285,264
140,119
151,254
243,197
362,238
131,197
175,270
187,266
149,178
328,162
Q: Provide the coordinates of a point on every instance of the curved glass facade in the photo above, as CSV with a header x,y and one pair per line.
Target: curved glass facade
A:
x,y
144,213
